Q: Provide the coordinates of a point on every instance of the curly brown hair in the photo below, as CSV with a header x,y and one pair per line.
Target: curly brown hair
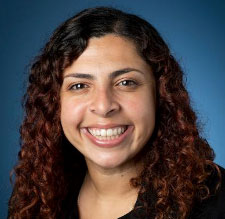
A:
x,y
177,160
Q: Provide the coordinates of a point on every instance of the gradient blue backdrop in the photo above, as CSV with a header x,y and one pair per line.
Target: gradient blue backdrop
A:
x,y
194,30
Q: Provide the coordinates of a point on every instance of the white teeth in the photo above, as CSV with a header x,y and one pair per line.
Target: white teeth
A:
x,y
103,132
98,132
107,133
106,137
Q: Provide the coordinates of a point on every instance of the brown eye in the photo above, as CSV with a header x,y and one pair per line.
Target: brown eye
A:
x,y
78,86
127,83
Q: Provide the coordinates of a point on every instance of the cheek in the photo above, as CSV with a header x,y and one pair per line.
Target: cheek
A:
x,y
143,114
72,112
141,108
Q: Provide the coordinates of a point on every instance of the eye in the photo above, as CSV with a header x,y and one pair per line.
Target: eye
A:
x,y
127,83
78,86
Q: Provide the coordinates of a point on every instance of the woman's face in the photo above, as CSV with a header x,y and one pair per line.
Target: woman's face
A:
x,y
108,102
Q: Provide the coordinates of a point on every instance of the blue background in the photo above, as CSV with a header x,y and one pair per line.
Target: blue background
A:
x,y
194,30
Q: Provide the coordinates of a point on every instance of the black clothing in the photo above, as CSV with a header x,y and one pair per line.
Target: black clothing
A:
x,y
212,208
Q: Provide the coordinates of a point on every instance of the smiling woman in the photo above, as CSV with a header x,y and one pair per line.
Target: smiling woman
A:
x,y
106,103
109,131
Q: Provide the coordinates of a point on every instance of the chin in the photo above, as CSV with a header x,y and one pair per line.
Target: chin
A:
x,y
109,162
113,162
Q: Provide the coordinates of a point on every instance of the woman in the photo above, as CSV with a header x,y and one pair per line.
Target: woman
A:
x,y
109,131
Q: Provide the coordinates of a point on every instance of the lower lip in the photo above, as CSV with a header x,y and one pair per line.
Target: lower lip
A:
x,y
108,143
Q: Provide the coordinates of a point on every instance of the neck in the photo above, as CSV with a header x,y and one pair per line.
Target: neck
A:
x,y
105,183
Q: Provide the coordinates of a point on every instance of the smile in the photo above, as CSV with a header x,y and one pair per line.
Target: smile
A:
x,y
108,137
107,134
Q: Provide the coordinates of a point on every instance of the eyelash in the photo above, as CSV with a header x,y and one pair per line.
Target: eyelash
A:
x,y
134,83
74,85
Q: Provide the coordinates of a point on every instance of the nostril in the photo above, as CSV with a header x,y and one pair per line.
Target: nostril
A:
x,y
103,110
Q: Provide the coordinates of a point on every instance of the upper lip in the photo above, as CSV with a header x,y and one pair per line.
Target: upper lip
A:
x,y
105,126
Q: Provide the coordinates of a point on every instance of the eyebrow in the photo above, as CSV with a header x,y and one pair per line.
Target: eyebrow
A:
x,y
112,75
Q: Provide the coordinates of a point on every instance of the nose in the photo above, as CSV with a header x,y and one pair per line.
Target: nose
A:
x,y
103,103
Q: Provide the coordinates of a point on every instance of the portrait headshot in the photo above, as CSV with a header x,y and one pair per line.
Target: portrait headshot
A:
x,y
113,110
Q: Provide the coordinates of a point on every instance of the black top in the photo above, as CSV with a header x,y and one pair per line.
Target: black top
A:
x,y
212,208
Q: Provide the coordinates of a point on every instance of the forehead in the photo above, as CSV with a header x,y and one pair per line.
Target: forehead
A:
x,y
108,53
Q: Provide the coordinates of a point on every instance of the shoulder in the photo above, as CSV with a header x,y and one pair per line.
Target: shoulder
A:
x,y
219,196
217,200
214,205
